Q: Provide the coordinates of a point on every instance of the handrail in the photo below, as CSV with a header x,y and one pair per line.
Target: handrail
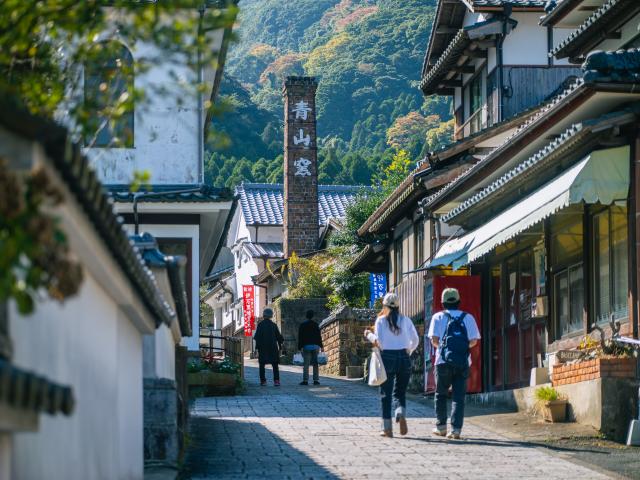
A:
x,y
469,120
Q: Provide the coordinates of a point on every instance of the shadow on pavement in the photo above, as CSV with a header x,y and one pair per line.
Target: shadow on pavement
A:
x,y
241,449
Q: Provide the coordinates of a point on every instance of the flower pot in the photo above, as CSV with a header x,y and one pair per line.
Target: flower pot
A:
x,y
213,383
555,411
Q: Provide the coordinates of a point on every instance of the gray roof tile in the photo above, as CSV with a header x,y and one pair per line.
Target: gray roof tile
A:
x,y
263,203
265,250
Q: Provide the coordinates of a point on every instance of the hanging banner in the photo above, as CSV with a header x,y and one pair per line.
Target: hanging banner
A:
x,y
248,310
378,286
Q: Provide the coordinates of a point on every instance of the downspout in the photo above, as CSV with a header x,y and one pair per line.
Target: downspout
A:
x,y
500,60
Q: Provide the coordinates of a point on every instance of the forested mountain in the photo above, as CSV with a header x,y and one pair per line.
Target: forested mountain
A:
x,y
367,56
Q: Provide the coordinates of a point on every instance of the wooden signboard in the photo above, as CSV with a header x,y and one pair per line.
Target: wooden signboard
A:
x,y
563,356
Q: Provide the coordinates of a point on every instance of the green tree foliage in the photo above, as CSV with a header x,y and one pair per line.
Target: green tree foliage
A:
x,y
367,56
44,46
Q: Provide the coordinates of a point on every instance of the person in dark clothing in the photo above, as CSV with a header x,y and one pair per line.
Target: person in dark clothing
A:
x,y
310,344
269,342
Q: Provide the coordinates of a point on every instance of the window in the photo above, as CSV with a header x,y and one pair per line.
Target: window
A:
x,y
418,237
108,82
567,239
610,264
475,103
398,256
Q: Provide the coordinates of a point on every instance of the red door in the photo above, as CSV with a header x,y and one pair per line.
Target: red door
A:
x,y
469,288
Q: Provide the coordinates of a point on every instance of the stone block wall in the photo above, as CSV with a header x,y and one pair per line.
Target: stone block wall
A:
x,y
161,442
290,313
343,339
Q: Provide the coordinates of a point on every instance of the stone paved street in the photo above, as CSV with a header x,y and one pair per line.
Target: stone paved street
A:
x,y
331,431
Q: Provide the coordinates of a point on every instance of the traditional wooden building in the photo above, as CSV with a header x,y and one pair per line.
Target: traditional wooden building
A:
x,y
540,216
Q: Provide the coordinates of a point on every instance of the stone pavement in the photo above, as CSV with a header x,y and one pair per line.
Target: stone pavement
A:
x,y
331,431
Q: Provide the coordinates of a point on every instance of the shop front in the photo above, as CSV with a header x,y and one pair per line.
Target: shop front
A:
x,y
551,265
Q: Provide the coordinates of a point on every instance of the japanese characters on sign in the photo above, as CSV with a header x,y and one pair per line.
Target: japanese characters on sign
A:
x,y
378,286
248,310
301,111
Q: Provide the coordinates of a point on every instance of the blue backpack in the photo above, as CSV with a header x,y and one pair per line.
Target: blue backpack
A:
x,y
455,342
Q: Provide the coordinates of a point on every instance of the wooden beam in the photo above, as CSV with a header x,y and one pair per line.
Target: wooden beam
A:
x,y
446,30
588,8
447,92
452,83
613,35
484,44
475,53
464,69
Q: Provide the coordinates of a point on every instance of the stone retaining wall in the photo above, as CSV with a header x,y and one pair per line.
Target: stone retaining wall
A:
x,y
290,313
343,339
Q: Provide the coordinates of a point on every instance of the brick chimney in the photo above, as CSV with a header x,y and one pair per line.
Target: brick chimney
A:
x,y
301,225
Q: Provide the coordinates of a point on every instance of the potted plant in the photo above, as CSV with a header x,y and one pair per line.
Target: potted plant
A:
x,y
552,404
214,378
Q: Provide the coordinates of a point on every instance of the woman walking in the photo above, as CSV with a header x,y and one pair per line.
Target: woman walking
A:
x,y
397,338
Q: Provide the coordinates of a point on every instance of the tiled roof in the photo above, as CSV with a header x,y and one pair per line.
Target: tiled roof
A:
x,y
263,204
194,193
25,390
534,4
538,115
589,34
84,185
264,250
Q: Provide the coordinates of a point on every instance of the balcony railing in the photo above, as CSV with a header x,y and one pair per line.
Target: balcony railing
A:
x,y
476,122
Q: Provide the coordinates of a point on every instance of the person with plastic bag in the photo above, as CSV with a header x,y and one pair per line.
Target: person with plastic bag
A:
x,y
396,337
310,344
269,342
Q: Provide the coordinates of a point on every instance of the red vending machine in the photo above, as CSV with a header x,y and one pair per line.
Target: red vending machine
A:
x,y
469,288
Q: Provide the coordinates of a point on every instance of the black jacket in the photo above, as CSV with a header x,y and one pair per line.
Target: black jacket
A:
x,y
309,334
269,341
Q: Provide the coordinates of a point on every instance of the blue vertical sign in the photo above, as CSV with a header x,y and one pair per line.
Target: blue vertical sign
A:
x,y
378,286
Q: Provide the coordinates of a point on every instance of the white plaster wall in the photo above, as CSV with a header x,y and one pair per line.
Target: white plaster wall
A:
x,y
628,32
267,234
559,35
183,231
527,43
167,138
165,353
471,18
89,344
130,446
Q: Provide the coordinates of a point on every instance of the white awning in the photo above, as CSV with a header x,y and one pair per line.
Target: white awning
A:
x,y
602,177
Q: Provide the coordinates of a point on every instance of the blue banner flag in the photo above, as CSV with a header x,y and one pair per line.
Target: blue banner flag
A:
x,y
378,286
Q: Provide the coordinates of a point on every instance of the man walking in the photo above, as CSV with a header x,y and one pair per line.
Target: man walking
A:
x,y
310,343
269,342
453,333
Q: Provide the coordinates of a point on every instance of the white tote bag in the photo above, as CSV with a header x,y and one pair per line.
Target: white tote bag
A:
x,y
298,359
377,373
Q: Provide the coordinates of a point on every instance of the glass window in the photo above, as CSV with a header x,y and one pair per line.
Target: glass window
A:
x,y
567,237
610,285
475,103
108,82
570,299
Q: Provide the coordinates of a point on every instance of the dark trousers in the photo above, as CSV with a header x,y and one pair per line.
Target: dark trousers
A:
x,y
276,372
397,364
456,378
310,358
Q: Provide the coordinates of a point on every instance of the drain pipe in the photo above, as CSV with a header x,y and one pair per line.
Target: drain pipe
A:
x,y
200,134
500,60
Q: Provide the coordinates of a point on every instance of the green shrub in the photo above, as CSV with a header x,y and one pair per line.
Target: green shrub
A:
x,y
547,394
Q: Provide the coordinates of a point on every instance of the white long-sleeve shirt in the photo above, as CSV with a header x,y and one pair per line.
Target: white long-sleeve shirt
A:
x,y
406,339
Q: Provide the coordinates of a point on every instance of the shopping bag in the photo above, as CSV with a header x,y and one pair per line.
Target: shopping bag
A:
x,y
377,373
322,358
297,359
